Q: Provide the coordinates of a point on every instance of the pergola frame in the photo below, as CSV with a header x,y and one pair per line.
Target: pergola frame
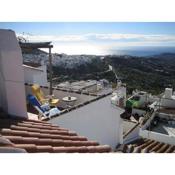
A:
x,y
41,45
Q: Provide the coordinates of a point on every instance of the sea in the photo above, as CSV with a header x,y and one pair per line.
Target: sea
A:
x,y
142,51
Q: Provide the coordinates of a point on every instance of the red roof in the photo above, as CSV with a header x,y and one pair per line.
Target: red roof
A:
x,y
146,146
20,135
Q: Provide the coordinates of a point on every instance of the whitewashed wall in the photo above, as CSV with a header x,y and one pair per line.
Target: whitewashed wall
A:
x,y
170,103
92,88
132,135
128,125
3,103
157,136
138,111
12,75
33,75
98,121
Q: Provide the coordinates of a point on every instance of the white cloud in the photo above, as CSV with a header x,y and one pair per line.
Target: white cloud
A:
x,y
109,37
53,38
80,49
139,37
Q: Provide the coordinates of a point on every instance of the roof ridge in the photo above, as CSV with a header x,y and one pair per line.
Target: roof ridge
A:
x,y
53,142
42,127
46,131
47,148
40,135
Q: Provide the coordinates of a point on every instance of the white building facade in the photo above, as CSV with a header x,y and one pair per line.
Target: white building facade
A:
x,y
35,75
100,120
12,91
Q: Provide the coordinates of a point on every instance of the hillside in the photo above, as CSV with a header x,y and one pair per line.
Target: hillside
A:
x,y
152,74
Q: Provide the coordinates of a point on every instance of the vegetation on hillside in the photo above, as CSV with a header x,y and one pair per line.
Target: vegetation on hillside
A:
x,y
151,74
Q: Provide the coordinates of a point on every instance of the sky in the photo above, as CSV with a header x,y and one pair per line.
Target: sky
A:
x,y
95,38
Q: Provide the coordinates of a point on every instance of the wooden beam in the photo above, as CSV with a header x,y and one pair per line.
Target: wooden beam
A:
x,y
36,45
50,71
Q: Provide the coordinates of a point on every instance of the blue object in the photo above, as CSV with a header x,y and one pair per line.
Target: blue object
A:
x,y
43,109
33,101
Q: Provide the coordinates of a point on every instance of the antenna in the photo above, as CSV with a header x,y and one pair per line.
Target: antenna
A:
x,y
113,70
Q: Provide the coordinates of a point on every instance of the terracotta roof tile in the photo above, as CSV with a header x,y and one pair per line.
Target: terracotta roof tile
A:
x,y
5,142
31,148
53,142
45,148
82,149
146,146
163,148
11,150
100,149
48,131
6,146
39,136
157,147
90,149
170,149
41,126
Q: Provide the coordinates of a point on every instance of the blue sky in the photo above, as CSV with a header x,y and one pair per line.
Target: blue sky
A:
x,y
76,38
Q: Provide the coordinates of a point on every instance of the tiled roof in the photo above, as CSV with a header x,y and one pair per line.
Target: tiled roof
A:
x,y
19,135
146,146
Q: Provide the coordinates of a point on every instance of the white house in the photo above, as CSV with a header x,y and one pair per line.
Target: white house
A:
x,y
168,99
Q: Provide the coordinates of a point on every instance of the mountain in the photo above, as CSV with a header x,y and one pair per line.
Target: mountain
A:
x,y
151,74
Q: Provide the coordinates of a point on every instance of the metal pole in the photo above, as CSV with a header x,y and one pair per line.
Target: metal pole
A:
x,y
50,71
